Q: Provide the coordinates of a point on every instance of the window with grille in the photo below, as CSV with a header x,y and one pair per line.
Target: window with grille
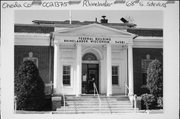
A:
x,y
89,56
115,75
66,75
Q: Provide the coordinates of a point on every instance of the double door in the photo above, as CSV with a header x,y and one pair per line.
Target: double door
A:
x,y
90,75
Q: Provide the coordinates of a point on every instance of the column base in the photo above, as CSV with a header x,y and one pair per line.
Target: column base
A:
x,y
131,96
56,102
78,95
108,95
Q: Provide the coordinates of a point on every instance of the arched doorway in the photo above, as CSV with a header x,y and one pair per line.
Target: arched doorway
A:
x,y
90,73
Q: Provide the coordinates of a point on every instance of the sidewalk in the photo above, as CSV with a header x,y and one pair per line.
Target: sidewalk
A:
x,y
53,112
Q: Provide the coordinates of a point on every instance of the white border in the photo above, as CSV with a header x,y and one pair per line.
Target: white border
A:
x,y
171,67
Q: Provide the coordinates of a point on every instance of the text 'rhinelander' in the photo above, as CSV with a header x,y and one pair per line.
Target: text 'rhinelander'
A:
x,y
87,3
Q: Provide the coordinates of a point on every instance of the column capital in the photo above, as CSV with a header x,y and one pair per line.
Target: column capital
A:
x,y
78,44
108,45
56,42
130,44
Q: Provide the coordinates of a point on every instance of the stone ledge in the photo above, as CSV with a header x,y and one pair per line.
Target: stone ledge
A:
x,y
56,102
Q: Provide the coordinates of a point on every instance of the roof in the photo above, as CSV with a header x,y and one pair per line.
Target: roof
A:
x,y
154,32
80,23
47,28
31,28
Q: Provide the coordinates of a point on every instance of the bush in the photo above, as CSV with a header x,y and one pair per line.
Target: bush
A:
x,y
148,100
160,102
155,78
29,87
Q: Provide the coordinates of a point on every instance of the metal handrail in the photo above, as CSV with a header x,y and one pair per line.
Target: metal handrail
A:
x,y
95,90
135,101
126,87
64,100
134,97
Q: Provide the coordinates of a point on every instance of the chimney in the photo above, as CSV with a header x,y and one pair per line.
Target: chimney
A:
x,y
96,20
104,20
124,20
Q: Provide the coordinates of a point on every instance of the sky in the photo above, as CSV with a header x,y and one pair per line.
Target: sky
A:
x,y
143,18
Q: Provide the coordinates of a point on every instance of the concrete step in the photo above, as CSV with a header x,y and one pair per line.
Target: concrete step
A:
x,y
94,97
117,107
90,104
97,100
96,103
81,99
94,111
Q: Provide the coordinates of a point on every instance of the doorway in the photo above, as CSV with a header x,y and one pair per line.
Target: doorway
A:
x,y
90,74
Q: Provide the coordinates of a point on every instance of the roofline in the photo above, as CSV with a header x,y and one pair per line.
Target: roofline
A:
x,y
84,22
54,25
99,25
46,25
146,28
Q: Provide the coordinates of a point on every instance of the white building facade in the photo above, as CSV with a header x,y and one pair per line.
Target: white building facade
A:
x,y
108,49
69,59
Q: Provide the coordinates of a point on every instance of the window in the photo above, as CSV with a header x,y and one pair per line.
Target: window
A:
x,y
66,75
115,75
31,58
89,56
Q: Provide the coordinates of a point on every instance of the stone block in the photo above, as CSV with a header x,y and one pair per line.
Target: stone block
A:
x,y
56,103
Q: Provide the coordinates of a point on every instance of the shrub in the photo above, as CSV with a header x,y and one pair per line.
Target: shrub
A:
x,y
160,102
155,78
149,100
29,87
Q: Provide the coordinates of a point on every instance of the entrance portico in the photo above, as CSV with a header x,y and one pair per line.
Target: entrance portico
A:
x,y
110,46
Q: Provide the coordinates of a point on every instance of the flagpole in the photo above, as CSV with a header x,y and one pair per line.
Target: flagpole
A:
x,y
70,17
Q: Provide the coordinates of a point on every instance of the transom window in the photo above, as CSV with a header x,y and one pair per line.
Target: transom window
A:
x,y
66,75
89,56
115,75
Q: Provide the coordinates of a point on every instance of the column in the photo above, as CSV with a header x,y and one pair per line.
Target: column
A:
x,y
109,70
130,70
56,64
78,69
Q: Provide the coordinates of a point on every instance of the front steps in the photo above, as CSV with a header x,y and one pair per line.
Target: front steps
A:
x,y
90,104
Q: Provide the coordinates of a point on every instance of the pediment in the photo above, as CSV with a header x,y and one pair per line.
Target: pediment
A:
x,y
93,30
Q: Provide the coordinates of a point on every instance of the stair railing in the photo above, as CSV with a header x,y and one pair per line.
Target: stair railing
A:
x,y
126,88
64,100
95,90
134,99
135,102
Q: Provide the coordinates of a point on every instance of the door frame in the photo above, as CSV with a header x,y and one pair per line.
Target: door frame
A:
x,y
97,70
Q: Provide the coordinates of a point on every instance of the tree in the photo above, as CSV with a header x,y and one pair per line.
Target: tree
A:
x,y
155,78
29,87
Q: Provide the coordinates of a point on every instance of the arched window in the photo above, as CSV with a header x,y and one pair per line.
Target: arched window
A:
x,y
89,56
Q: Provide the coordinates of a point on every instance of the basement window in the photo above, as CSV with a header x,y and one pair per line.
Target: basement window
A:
x,y
66,75
115,75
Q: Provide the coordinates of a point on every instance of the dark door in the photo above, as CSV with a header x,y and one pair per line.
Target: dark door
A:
x,y
90,74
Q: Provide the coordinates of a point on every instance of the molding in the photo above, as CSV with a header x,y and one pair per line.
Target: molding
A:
x,y
33,39
148,42
98,52
67,31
